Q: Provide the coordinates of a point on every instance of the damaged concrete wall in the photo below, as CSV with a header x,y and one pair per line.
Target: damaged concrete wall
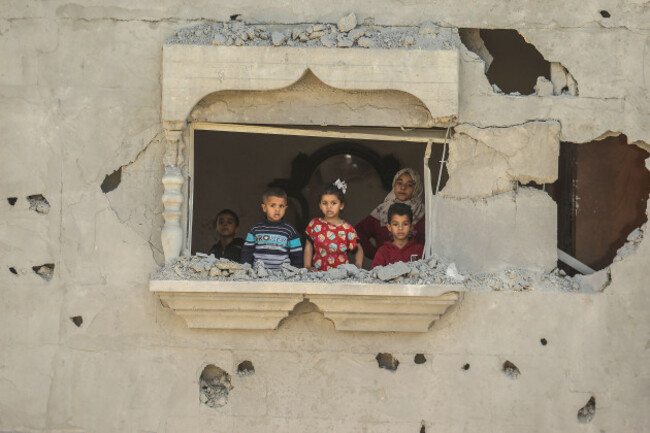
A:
x,y
81,96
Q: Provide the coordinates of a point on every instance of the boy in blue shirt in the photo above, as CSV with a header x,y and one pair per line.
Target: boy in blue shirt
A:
x,y
273,241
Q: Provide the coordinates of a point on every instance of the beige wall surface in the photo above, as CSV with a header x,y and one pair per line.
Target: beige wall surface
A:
x,y
80,95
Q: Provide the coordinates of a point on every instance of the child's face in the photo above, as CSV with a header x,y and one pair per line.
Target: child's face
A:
x,y
226,225
400,227
331,206
274,208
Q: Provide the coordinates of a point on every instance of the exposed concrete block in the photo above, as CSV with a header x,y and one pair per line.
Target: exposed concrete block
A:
x,y
473,41
558,77
543,87
511,229
392,271
487,161
347,23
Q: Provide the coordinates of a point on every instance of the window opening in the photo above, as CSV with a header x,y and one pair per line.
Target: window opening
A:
x,y
232,164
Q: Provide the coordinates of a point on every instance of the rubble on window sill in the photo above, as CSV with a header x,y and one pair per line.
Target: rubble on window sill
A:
x,y
423,272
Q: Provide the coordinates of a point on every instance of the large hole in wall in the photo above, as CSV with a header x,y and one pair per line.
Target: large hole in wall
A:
x,y
232,169
513,64
602,193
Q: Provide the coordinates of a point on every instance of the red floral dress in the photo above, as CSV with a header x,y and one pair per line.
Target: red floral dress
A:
x,y
331,243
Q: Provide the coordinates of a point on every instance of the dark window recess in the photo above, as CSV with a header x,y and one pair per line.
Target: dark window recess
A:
x,y
299,164
516,64
602,190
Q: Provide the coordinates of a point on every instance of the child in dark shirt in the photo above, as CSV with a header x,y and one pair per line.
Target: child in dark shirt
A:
x,y
225,227
272,241
401,248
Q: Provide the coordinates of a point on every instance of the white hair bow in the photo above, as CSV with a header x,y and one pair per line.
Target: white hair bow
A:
x,y
340,184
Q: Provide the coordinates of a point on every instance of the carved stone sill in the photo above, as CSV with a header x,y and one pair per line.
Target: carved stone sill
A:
x,y
262,305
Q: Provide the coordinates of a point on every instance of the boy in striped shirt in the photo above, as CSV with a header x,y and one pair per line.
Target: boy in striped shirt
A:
x,y
273,241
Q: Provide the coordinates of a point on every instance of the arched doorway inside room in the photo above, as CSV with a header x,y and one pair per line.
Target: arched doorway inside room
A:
x,y
368,170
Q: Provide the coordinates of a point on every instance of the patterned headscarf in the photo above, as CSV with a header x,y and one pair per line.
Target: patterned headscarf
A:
x,y
416,202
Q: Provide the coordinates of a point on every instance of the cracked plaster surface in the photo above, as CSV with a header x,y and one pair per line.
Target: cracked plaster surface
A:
x,y
488,161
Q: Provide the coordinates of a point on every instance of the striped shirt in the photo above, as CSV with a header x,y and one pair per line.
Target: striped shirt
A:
x,y
272,243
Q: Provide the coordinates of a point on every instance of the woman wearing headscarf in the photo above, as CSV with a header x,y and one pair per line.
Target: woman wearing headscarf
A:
x,y
408,189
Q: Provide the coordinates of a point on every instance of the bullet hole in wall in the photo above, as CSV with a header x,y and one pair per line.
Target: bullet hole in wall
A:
x,y
214,386
12,200
588,411
245,368
605,14
77,320
13,270
45,271
420,358
39,204
543,341
234,17
465,367
112,181
510,370
387,361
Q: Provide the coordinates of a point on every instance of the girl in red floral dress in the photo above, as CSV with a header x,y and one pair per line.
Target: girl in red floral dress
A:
x,y
330,238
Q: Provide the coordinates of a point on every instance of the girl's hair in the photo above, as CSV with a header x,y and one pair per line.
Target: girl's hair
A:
x,y
331,189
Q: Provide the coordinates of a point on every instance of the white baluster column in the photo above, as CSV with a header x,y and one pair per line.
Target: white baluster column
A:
x,y
172,198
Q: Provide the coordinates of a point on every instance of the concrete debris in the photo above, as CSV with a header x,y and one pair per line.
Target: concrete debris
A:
x,y
355,34
350,269
328,41
543,87
365,42
336,274
347,23
260,270
317,35
344,34
392,271
431,271
633,241
429,28
596,282
452,272
219,39
278,38
345,43
497,89
288,270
